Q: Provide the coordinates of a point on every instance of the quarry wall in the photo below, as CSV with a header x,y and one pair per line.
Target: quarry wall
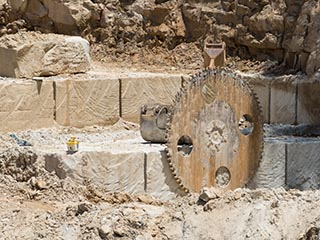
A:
x,y
282,30
98,99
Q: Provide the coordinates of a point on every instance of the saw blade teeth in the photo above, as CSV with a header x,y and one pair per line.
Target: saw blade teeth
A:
x,y
184,85
178,180
177,98
166,150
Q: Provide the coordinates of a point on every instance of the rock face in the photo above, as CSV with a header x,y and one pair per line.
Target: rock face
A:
x,y
284,30
30,54
58,16
304,45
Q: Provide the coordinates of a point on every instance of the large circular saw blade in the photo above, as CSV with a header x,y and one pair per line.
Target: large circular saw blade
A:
x,y
215,133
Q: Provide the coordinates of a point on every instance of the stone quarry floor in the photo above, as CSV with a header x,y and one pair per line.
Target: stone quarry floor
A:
x,y
43,201
123,137
38,204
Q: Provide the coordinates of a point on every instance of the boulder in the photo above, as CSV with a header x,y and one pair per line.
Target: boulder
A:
x,y
272,169
196,23
66,14
30,54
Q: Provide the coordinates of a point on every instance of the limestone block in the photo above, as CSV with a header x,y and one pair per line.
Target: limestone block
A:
x,y
115,172
136,91
85,102
109,171
309,103
283,103
272,168
160,181
261,88
32,54
303,165
26,104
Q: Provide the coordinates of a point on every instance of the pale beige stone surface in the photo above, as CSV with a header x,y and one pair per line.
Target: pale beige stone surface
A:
x,y
26,104
283,103
160,181
303,165
272,168
110,171
87,100
30,54
133,172
309,103
136,91
115,172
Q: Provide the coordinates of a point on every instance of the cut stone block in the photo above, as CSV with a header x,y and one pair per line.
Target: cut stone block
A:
x,y
26,104
272,168
309,103
115,172
152,89
111,172
303,165
89,101
283,103
30,54
160,181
